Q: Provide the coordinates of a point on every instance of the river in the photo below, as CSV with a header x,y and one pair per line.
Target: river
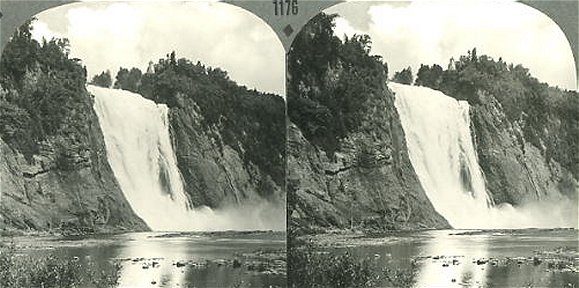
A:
x,y
468,258
180,259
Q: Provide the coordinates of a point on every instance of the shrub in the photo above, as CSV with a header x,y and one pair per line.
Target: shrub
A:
x,y
17,270
311,268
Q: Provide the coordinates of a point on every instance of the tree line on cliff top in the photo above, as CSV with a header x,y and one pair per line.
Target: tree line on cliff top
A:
x,y
246,116
41,90
549,116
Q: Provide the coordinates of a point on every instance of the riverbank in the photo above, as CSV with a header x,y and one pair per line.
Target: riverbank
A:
x,y
439,258
147,259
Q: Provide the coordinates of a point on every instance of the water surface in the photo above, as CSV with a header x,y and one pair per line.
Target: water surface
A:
x,y
156,259
471,258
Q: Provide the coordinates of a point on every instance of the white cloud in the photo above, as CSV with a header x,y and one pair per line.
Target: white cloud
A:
x,y
344,28
112,35
431,32
41,32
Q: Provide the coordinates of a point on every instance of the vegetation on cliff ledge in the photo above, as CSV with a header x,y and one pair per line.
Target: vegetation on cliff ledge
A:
x,y
249,121
549,116
329,82
41,94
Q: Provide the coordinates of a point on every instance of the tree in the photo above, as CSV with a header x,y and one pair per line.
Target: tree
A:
x,y
330,82
103,80
20,53
429,76
404,77
129,80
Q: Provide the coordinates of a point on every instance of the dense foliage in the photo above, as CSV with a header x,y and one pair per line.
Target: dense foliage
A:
x,y
41,91
18,271
103,80
251,122
548,116
429,76
128,79
404,76
309,267
329,81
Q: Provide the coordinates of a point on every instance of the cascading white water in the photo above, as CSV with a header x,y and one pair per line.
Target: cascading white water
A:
x,y
441,150
139,150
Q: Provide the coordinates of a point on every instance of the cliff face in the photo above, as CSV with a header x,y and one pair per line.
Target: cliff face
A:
x,y
229,140
348,165
516,170
67,182
369,183
526,132
54,171
215,173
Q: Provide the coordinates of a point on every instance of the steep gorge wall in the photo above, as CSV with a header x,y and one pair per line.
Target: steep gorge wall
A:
x,y
526,132
229,140
516,170
348,163
54,171
68,184
369,184
215,173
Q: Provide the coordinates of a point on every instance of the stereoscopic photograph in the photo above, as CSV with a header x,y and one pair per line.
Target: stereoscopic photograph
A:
x,y
432,144
142,145
296,143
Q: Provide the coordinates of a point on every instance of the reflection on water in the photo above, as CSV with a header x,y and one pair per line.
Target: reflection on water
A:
x,y
179,260
461,258
456,254
450,262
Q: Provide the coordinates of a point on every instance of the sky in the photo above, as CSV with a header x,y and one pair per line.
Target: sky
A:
x,y
107,36
429,32
110,35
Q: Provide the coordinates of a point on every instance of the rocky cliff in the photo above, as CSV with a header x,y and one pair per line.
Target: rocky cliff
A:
x,y
229,140
368,184
215,173
348,165
54,170
526,132
68,186
516,171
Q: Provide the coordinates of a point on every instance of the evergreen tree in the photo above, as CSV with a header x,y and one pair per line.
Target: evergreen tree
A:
x,y
429,76
404,77
103,80
129,80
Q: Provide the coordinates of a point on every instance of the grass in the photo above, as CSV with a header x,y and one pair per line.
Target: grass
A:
x,y
310,268
18,270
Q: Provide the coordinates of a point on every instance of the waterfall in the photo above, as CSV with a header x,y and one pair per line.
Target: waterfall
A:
x,y
139,150
441,150
140,153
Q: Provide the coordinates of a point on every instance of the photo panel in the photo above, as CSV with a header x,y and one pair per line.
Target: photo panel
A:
x,y
420,143
431,147
143,145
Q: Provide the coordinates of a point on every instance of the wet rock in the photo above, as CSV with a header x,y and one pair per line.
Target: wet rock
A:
x,y
180,264
236,263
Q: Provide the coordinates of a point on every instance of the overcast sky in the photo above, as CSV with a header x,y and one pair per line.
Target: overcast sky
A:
x,y
112,35
428,32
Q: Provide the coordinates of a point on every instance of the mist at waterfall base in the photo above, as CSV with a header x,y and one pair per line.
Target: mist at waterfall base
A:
x,y
441,150
140,152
